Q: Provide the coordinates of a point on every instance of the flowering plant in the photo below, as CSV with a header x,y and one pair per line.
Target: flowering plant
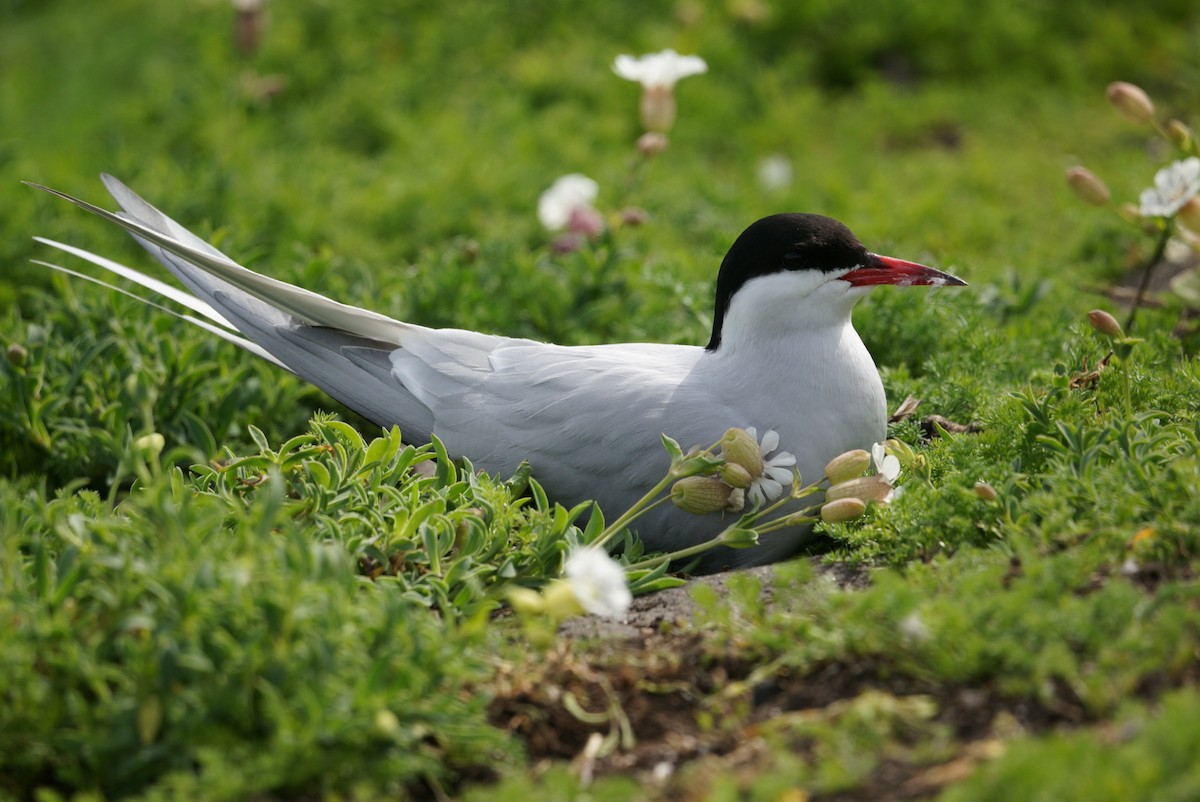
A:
x,y
1169,210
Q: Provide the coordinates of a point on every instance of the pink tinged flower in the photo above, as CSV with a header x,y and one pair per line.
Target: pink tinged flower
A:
x,y
566,195
597,582
776,471
1174,186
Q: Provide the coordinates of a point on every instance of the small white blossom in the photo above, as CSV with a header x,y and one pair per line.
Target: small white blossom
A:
x,y
1174,186
775,172
658,70
887,466
598,582
571,195
776,472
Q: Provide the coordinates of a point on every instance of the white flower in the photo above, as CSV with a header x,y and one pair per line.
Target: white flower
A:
x,y
775,172
658,70
1174,186
887,466
598,582
776,472
570,194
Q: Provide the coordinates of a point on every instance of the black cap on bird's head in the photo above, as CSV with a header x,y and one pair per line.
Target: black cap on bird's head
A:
x,y
794,242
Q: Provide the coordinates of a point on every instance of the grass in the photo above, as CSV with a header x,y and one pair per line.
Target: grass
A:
x,y
284,601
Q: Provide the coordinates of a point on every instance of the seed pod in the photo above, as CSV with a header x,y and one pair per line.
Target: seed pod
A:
x,y
850,465
842,509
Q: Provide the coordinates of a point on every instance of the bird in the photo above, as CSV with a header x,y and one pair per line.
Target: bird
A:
x,y
783,357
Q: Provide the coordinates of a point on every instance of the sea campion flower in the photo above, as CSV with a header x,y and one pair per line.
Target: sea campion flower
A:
x,y
876,487
567,202
1174,186
598,582
658,73
775,472
887,466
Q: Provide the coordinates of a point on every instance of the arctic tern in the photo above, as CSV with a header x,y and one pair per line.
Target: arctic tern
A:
x,y
783,356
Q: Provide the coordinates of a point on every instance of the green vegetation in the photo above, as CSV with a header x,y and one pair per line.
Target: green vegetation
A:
x,y
283,601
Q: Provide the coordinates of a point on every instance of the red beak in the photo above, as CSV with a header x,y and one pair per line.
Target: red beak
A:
x,y
886,270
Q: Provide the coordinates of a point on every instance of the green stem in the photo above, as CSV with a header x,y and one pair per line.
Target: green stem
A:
x,y
1159,249
643,505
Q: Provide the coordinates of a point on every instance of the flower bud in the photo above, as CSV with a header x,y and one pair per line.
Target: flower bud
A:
x,y
986,491
1130,213
1130,101
1088,186
735,475
652,143
658,108
526,601
701,495
561,601
740,448
842,509
633,216
1104,323
1189,215
586,221
865,488
850,465
17,354
151,444
1180,134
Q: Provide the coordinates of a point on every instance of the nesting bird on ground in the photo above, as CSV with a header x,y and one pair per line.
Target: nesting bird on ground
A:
x,y
783,356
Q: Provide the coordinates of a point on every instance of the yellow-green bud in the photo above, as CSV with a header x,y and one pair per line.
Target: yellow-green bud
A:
x,y
386,722
735,475
1180,134
701,495
17,354
986,491
151,444
1088,186
1131,101
850,465
561,601
1189,215
1104,323
842,509
866,488
740,448
1130,213
526,601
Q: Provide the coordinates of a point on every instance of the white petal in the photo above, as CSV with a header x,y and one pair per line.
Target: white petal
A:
x,y
598,582
770,442
570,192
782,459
770,488
890,469
781,475
750,430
